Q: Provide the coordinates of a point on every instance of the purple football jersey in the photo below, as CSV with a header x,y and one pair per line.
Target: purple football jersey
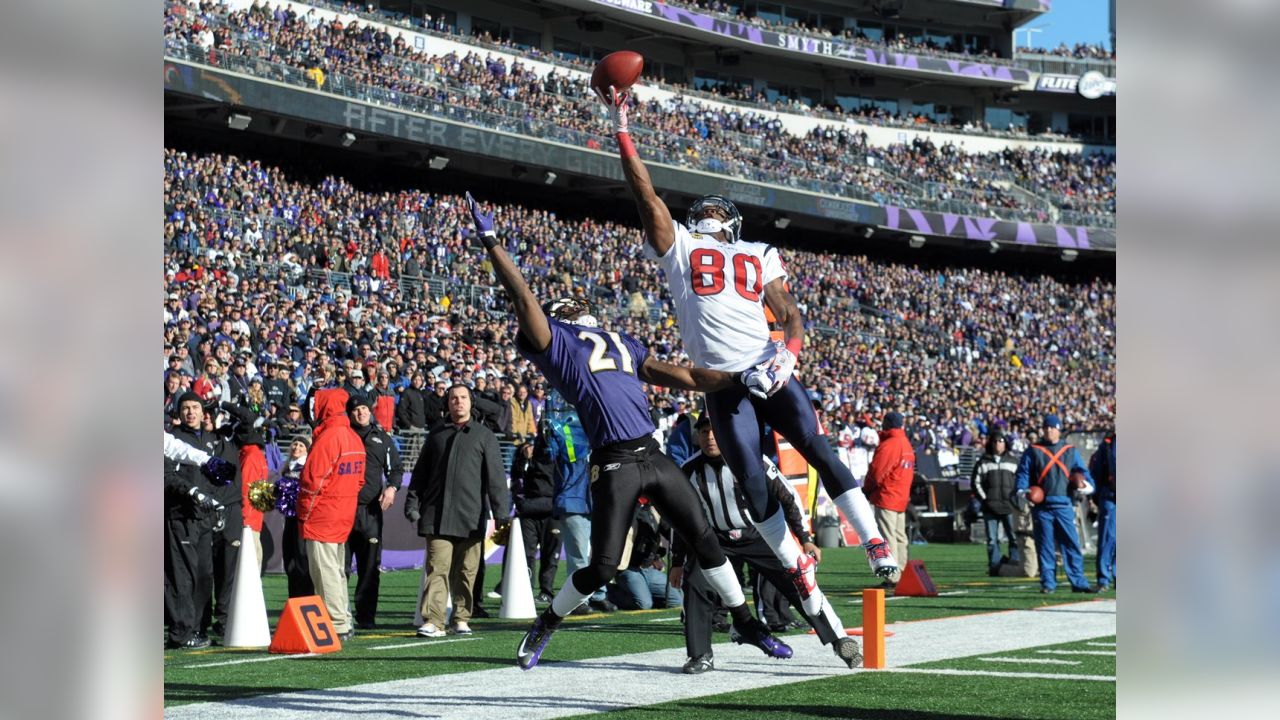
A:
x,y
595,370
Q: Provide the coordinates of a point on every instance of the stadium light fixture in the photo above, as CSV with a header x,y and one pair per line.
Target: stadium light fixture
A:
x,y
1070,254
994,247
238,121
867,232
549,177
782,222
437,162
348,139
916,241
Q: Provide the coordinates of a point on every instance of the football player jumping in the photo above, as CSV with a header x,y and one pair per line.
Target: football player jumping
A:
x,y
719,284
602,374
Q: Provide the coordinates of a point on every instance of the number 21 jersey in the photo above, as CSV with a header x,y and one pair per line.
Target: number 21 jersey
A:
x,y
718,291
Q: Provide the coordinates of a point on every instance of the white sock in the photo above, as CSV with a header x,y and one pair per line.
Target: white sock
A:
x,y
568,599
858,512
725,582
775,532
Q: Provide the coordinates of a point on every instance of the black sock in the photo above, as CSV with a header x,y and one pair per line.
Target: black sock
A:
x,y
741,614
550,619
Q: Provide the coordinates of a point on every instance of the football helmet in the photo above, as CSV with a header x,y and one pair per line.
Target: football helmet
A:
x,y
707,226
571,310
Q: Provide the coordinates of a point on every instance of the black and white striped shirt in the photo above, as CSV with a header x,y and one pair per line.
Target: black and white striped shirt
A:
x,y
723,501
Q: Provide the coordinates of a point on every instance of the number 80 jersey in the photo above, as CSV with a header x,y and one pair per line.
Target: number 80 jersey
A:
x,y
718,291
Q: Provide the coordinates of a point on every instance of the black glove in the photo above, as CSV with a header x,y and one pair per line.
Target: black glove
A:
x,y
219,471
202,501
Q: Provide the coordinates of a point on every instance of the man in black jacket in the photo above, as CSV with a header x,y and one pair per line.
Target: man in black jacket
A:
x,y
383,473
532,486
725,506
191,513
435,402
411,413
994,486
457,484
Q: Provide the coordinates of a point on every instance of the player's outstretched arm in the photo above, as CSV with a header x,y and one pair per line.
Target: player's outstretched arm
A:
x,y
784,307
654,214
533,323
656,372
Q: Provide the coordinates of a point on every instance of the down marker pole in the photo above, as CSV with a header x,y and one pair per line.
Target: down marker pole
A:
x,y
873,628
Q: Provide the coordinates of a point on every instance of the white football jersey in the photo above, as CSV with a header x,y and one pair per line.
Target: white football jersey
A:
x,y
718,291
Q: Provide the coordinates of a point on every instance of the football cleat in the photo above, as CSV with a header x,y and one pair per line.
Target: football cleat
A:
x,y
529,651
755,633
882,562
848,650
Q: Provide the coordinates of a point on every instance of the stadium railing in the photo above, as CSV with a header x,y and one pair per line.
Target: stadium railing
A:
x,y
453,106
1064,65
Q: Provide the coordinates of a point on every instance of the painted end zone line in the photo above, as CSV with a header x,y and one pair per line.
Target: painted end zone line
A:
x,y
1030,661
992,673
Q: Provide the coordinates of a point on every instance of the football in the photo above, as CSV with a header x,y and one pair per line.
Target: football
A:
x,y
620,69
1035,494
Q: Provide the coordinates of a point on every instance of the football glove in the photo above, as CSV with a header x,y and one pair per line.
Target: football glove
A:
x,y
484,223
219,471
617,104
207,503
757,380
780,368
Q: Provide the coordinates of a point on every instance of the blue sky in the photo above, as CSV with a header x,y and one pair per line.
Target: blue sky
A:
x,y
1070,22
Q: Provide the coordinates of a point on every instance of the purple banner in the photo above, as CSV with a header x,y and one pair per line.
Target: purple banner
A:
x,y
832,48
926,222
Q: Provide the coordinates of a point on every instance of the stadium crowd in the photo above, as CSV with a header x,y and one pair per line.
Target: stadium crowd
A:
x,y
679,130
1083,51
273,284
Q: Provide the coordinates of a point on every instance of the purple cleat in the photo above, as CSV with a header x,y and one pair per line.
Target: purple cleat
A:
x,y
534,642
756,633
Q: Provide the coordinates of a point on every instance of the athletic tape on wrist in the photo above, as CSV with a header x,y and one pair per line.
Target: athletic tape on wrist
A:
x,y
489,241
625,146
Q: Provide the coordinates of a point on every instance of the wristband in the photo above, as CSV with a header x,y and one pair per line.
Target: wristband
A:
x,y
489,240
794,345
625,146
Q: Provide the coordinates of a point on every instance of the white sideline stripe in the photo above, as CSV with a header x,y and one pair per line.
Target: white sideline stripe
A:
x,y
557,689
992,673
670,619
243,661
433,641
1111,653
1030,661
953,592
1101,644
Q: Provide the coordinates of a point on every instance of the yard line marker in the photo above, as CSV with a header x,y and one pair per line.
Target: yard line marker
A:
x,y
1111,653
242,661
432,641
1030,661
953,592
1101,644
991,673
670,619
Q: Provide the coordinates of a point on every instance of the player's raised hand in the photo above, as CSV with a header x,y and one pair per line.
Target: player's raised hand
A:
x,y
483,221
617,104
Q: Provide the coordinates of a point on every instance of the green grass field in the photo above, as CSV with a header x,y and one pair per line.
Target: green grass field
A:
x,y
393,652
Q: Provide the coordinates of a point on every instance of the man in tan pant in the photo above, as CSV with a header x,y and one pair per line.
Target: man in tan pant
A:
x,y
452,563
888,488
458,485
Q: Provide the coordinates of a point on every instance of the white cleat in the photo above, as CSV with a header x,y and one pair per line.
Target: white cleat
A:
x,y
882,562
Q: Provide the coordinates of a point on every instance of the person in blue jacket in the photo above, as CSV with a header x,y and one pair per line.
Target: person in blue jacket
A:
x,y
568,446
1049,465
1103,468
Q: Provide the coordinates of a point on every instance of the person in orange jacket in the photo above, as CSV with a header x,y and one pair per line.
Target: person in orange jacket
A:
x,y
327,494
888,488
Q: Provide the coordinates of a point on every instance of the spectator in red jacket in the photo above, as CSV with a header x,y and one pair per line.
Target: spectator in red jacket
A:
x,y
327,493
888,487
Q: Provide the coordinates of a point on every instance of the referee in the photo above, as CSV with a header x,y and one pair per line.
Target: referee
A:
x,y
726,509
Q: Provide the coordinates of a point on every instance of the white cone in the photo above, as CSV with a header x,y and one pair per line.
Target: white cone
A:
x,y
517,593
247,624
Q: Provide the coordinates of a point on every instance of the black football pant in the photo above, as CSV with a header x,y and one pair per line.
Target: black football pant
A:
x,y
365,545
620,474
188,575
700,601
